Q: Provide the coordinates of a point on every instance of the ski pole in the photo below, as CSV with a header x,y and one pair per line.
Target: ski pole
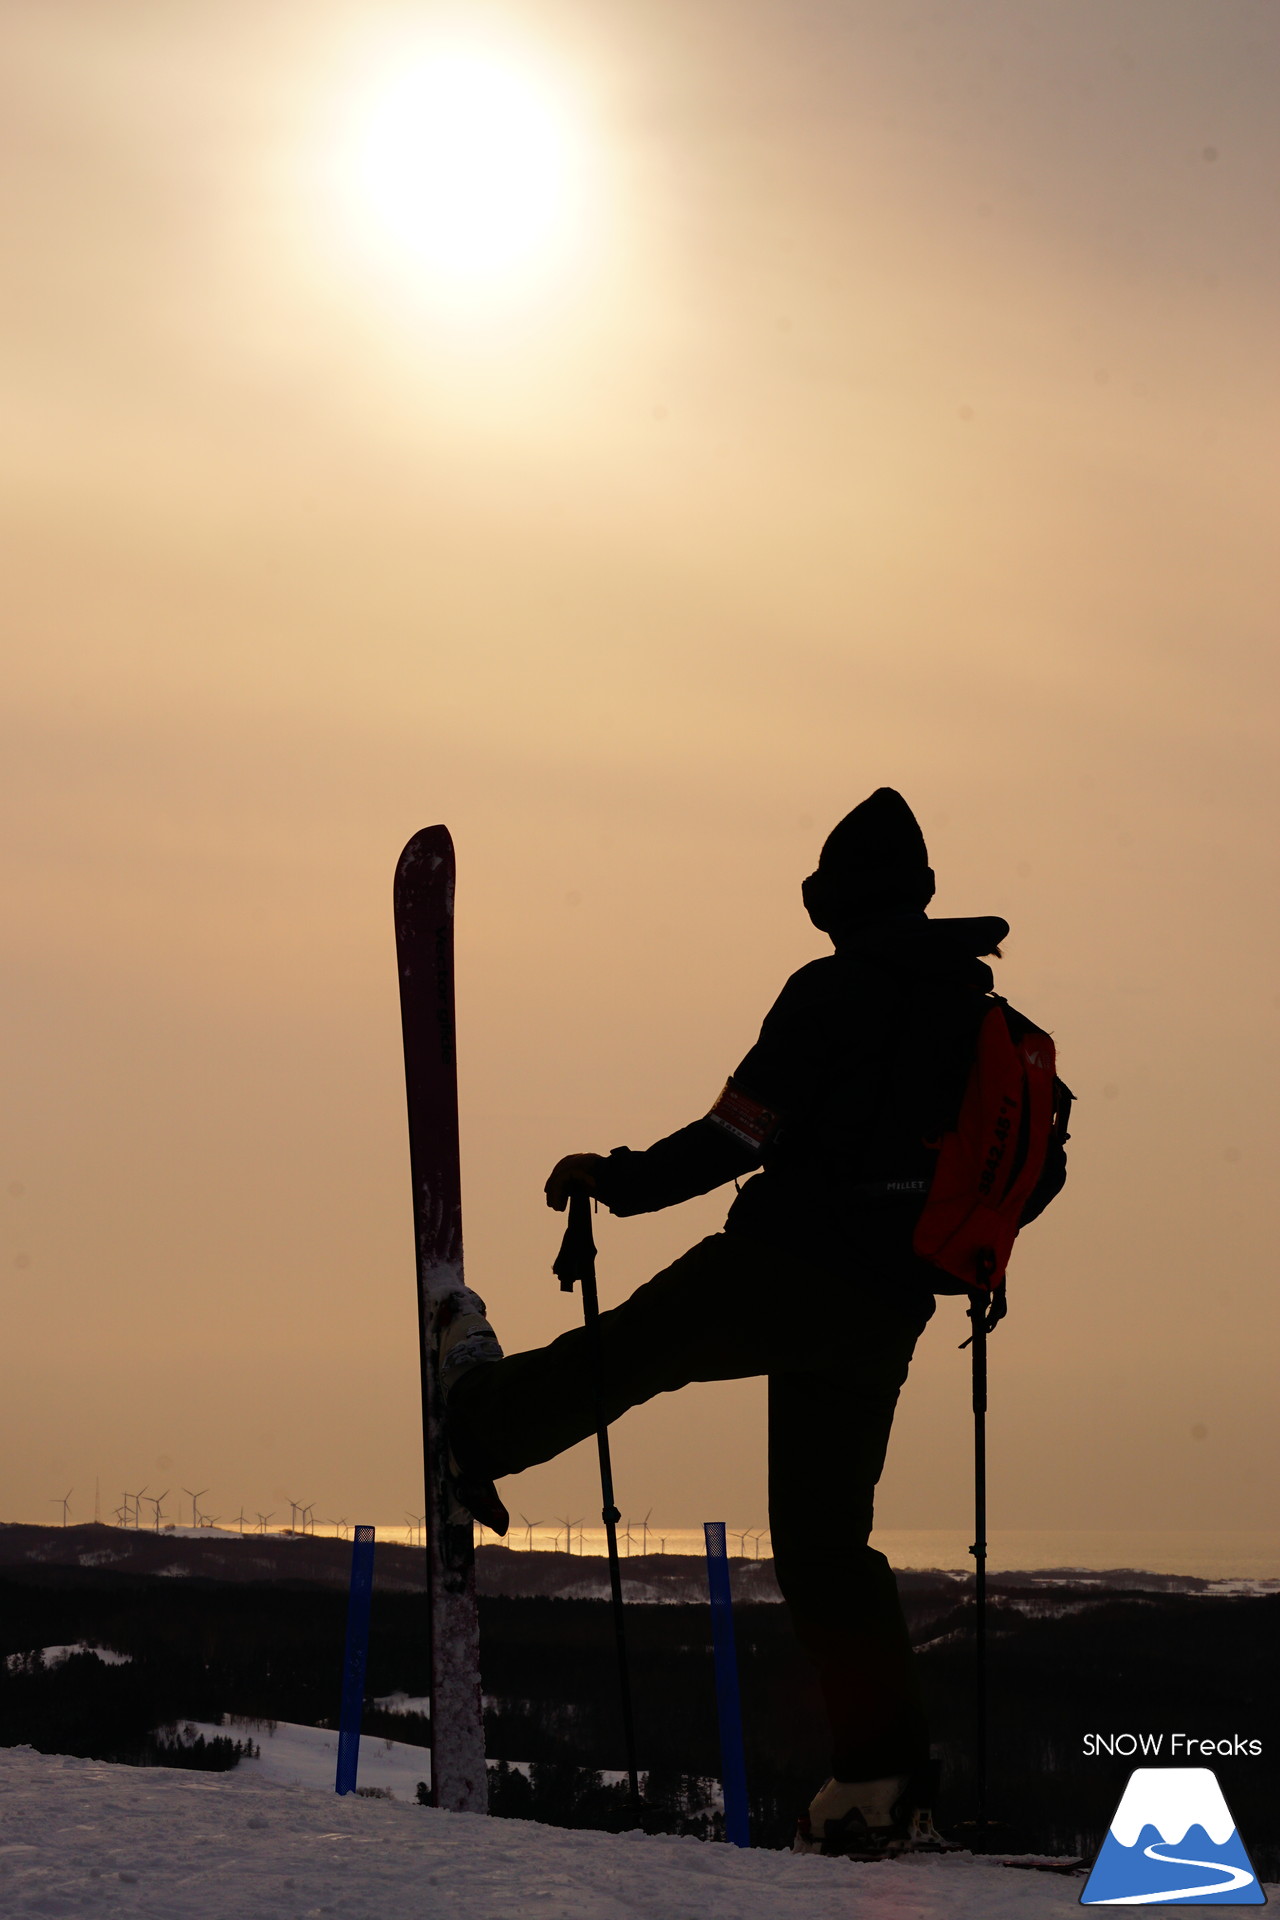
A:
x,y
354,1659
987,1307
733,1765
979,1302
576,1260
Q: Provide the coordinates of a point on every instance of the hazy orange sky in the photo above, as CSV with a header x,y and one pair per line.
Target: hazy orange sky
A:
x,y
899,407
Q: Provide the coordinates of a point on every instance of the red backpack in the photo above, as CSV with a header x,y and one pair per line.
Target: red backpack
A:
x,y
1003,1161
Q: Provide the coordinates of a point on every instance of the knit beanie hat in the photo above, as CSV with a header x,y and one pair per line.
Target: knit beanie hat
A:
x,y
875,859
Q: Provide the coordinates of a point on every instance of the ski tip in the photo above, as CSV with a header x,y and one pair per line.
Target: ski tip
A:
x,y
428,847
428,840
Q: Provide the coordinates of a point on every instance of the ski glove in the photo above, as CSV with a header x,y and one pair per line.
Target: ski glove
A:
x,y
575,1170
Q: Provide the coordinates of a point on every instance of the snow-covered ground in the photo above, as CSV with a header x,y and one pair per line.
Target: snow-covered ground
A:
x,y
403,1703
54,1656
293,1756
81,1837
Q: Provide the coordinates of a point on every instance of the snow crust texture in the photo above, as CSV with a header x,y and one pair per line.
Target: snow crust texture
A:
x,y
82,1837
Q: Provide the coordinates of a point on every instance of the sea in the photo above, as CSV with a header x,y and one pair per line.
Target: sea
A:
x,y
1207,1553
1247,1555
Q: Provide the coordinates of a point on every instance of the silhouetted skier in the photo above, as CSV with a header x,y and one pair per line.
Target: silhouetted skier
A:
x,y
812,1282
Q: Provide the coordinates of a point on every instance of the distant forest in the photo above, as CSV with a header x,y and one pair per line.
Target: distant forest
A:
x,y
1063,1662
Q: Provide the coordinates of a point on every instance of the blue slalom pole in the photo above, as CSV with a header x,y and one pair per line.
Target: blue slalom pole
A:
x,y
353,1660
733,1765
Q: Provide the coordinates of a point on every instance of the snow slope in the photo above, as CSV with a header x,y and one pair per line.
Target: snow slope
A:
x,y
55,1656
82,1837
293,1756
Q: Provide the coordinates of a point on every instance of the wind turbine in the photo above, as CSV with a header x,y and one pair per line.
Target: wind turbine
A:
x,y
155,1499
529,1526
240,1520
293,1515
568,1532
194,1497
741,1539
64,1503
644,1530
308,1520
628,1537
581,1537
137,1507
263,1519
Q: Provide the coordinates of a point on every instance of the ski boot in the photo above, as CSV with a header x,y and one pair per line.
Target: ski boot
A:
x,y
872,1819
923,1836
464,1341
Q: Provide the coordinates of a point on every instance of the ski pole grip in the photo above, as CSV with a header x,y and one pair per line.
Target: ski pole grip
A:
x,y
576,1258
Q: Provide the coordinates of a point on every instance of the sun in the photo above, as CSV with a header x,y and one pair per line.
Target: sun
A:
x,y
465,167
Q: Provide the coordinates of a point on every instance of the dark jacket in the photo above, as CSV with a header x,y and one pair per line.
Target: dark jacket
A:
x,y
861,1059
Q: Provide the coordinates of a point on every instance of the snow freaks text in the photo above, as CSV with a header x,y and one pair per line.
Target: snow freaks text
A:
x,y
1229,1746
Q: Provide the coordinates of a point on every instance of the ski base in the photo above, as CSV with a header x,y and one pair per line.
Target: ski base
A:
x,y
424,897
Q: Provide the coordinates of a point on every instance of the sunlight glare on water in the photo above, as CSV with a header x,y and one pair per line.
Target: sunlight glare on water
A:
x,y
1207,1553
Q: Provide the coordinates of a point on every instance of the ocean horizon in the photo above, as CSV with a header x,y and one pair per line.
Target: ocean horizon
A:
x,y
1205,1553
1200,1553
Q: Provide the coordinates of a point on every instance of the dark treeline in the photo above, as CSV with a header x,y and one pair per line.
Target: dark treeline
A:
x,y
1064,1664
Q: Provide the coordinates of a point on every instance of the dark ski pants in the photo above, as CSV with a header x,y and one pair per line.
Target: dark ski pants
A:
x,y
835,1335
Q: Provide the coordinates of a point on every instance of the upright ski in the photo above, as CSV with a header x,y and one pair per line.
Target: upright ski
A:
x,y
424,887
